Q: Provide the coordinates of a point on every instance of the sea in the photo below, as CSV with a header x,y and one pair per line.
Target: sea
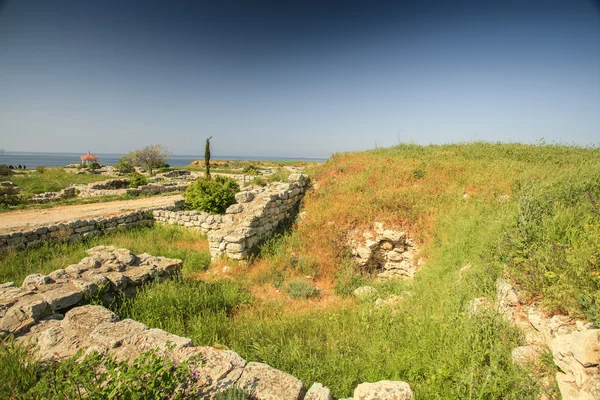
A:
x,y
35,159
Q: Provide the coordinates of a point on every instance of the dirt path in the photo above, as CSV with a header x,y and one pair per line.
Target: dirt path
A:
x,y
16,220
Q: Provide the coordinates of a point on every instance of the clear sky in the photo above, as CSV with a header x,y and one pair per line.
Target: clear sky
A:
x,y
295,78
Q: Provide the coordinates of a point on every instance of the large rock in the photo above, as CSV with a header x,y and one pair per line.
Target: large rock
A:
x,y
383,390
267,383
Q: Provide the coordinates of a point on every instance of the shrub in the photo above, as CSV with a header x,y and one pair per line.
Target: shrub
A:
x,y
300,289
251,170
347,279
136,179
211,195
5,170
9,196
40,169
124,165
94,165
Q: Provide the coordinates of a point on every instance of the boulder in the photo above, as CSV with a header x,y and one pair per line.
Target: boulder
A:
x,y
383,390
318,392
267,383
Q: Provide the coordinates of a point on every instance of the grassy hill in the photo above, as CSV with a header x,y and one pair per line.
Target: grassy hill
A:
x,y
527,212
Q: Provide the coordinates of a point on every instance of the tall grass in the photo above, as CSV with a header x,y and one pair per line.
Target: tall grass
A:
x,y
168,241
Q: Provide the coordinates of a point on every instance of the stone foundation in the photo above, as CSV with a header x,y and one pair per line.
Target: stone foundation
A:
x,y
258,213
46,314
107,272
74,230
390,253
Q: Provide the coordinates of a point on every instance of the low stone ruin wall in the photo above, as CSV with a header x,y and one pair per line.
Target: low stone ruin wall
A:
x,y
389,253
46,315
74,230
110,184
107,272
159,187
66,193
196,220
176,174
574,345
255,216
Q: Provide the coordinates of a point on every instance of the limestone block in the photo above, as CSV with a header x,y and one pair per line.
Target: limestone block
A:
x,y
244,197
383,390
267,383
318,392
62,297
37,279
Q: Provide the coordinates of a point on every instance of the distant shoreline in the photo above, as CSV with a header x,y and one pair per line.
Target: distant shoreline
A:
x,y
56,159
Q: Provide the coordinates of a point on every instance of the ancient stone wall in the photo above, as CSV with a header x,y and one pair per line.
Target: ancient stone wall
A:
x,y
107,272
196,220
389,253
73,230
257,214
47,315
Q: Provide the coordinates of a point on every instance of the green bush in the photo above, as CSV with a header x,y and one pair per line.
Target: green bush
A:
x,y
94,165
40,169
211,195
9,196
124,166
300,289
136,179
5,170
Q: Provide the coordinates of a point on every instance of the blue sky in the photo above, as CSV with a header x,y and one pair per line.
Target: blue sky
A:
x,y
295,78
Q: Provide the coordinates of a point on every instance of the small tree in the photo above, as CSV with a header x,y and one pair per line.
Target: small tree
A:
x,y
150,157
207,157
124,165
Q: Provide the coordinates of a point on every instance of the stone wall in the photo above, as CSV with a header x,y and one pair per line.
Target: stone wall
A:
x,y
389,253
107,272
258,213
73,230
46,314
110,184
574,344
196,220
255,216
66,193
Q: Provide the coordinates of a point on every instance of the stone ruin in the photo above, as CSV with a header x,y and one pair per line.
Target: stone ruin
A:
x,y
107,272
176,174
48,315
574,344
389,253
257,214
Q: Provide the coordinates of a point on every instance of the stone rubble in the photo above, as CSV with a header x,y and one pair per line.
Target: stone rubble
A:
x,y
107,272
388,252
574,345
261,213
46,315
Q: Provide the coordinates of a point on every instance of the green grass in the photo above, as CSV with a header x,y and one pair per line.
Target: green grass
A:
x,y
529,211
51,180
200,310
168,241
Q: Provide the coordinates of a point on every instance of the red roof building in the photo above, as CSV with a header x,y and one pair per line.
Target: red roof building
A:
x,y
88,158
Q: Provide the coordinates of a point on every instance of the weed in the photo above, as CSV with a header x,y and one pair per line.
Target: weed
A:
x,y
301,289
